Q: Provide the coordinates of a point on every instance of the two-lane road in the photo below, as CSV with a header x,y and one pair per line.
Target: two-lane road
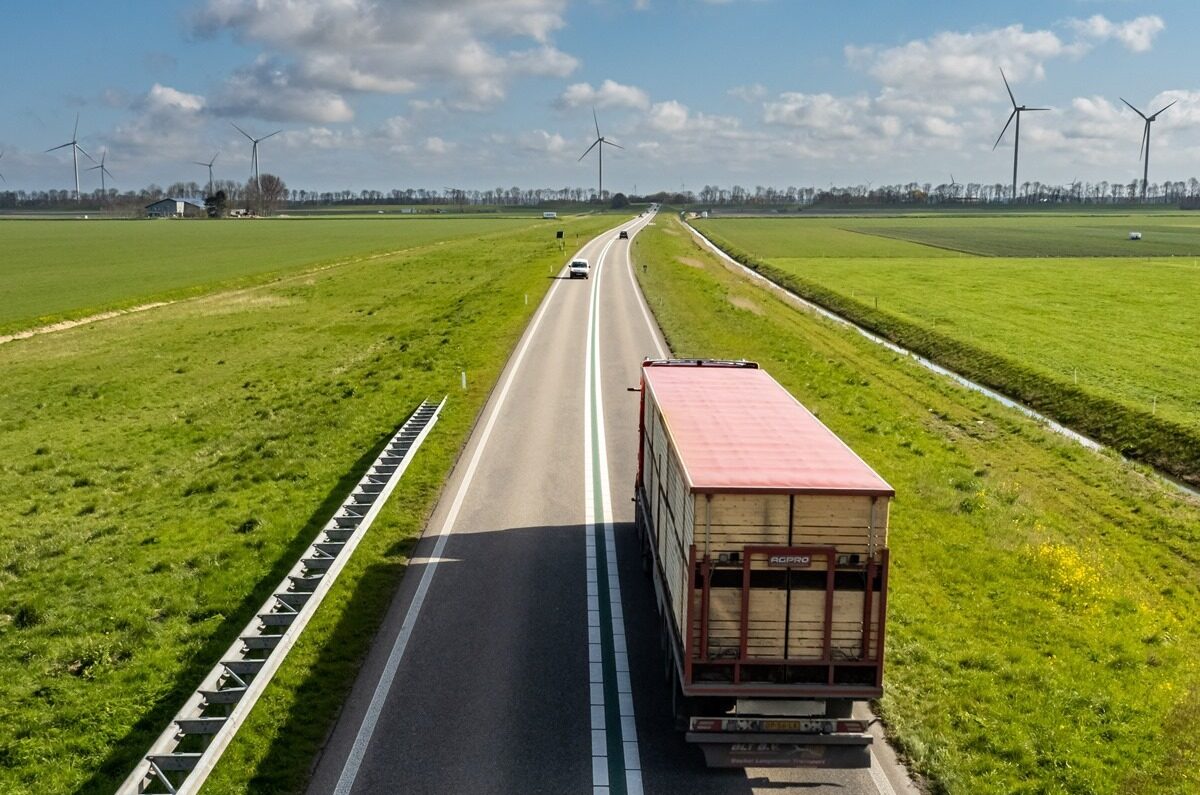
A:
x,y
520,653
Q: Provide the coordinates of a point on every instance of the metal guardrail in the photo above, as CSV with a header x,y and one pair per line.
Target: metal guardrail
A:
x,y
186,752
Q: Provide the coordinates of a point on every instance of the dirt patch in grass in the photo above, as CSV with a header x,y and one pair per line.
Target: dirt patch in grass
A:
x,y
691,262
83,321
742,302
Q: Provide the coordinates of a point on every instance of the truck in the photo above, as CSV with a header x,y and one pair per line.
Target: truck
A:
x,y
766,539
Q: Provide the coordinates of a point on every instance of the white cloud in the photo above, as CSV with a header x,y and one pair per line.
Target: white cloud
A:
x,y
755,92
610,94
268,89
333,47
544,142
1136,35
165,122
669,116
162,98
960,66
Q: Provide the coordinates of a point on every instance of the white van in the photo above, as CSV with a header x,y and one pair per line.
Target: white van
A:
x,y
579,267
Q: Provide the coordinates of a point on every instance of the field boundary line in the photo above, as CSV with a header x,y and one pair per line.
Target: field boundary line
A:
x,y
63,325
221,289
1033,414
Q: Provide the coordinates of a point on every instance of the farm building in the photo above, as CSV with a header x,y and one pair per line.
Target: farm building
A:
x,y
175,208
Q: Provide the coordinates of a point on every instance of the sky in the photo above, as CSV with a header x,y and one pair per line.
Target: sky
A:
x,y
481,94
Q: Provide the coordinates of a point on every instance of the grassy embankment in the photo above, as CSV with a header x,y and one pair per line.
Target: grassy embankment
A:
x,y
1044,609
1096,343
161,471
63,270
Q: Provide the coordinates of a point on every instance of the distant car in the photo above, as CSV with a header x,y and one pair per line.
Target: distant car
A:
x,y
624,235
579,267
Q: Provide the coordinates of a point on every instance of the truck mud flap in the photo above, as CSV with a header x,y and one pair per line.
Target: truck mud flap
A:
x,y
842,752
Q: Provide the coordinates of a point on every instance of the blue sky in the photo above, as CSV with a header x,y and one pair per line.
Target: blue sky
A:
x,y
487,93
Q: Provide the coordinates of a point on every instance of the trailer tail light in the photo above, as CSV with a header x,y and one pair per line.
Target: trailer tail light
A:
x,y
855,726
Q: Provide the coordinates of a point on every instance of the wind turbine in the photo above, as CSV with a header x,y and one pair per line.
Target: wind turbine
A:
x,y
209,166
103,170
2,179
254,142
1016,113
1144,149
75,150
599,145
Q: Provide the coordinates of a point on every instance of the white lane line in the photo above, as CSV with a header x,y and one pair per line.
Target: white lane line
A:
x,y
383,687
629,742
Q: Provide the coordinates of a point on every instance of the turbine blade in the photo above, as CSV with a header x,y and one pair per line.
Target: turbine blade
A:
x,y
265,137
85,154
243,132
75,134
1133,108
596,120
1008,88
610,143
2,179
218,154
63,146
198,163
595,143
1145,135
1011,116
1035,108
1172,102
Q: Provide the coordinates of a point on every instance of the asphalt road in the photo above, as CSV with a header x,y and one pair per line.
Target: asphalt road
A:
x,y
520,654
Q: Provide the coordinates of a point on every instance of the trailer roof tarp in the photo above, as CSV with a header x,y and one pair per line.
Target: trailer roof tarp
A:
x,y
737,429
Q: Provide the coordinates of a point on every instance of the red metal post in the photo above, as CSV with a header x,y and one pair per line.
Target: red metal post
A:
x,y
883,590
689,639
830,567
744,643
867,604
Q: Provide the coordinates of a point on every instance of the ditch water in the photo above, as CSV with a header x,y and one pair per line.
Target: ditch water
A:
x,y
1056,427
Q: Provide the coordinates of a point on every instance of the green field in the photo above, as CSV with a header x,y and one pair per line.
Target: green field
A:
x,y
1047,235
1100,343
56,270
990,235
1044,609
162,469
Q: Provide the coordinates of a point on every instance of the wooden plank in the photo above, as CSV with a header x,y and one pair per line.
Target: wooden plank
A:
x,y
750,509
832,510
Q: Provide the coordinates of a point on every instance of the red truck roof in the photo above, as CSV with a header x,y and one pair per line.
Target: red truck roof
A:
x,y
737,429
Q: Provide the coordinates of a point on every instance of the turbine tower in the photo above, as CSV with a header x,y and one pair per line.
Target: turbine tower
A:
x,y
1144,149
209,166
254,142
75,150
1016,113
103,170
599,145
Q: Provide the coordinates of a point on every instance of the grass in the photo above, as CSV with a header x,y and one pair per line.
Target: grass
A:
x,y
161,471
62,270
1049,236
989,235
1044,609
1094,343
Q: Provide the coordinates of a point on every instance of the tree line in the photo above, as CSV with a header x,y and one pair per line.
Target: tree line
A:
x,y
275,195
